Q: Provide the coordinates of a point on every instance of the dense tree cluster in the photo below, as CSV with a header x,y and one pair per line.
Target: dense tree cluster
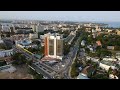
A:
x,y
19,59
2,63
3,46
74,69
35,74
109,40
39,50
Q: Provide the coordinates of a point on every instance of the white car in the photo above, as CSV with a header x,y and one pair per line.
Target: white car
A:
x,y
63,65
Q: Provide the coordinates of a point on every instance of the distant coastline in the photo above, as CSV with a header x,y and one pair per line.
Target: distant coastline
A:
x,y
113,24
109,24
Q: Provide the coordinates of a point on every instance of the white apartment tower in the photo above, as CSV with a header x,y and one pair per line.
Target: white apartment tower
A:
x,y
0,30
53,46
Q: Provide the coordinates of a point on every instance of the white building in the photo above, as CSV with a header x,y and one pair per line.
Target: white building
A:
x,y
6,28
23,43
33,36
109,30
93,30
42,37
104,66
4,53
1,41
79,26
111,76
88,24
109,59
95,59
97,28
54,46
33,27
118,56
82,76
83,42
65,28
88,57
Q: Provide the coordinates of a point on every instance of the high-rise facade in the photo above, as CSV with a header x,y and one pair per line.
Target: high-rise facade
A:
x,y
0,30
33,27
53,46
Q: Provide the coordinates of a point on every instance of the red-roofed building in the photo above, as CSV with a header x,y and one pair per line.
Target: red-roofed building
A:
x,y
98,43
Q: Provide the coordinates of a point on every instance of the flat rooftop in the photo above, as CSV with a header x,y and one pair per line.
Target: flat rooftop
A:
x,y
49,59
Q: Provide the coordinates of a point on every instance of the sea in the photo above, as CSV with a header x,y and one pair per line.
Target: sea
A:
x,y
113,24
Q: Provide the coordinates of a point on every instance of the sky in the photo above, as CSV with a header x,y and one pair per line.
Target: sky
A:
x,y
102,16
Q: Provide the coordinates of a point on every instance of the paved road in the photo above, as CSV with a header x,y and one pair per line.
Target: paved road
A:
x,y
72,54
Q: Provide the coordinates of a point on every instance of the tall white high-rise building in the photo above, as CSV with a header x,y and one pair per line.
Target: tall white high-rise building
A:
x,y
33,27
0,30
53,46
1,41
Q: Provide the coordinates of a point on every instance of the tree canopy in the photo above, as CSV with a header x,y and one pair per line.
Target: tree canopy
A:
x,y
19,59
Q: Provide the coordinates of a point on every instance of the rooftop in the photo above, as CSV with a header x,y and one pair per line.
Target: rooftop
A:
x,y
46,58
25,42
82,76
98,43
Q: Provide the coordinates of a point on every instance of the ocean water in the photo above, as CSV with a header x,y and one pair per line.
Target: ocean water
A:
x,y
112,24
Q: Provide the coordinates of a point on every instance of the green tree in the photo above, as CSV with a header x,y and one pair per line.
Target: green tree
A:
x,y
74,71
87,50
35,74
19,59
2,63
36,42
3,46
100,76
117,48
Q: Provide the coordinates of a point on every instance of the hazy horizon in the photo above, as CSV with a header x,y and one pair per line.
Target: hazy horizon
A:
x,y
81,16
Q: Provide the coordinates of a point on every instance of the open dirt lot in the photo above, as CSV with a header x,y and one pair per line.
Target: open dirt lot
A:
x,y
20,73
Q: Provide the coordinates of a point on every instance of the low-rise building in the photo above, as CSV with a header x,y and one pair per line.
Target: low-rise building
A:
x,y
33,36
107,64
111,76
97,28
19,37
83,42
1,41
118,32
109,30
25,43
5,53
109,59
118,56
98,43
82,76
95,59
104,66
110,47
